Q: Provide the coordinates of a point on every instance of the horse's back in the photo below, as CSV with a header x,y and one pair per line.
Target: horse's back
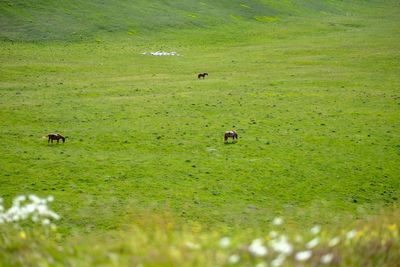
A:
x,y
230,133
54,135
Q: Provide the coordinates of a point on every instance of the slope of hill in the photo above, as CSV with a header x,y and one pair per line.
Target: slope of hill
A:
x,y
66,20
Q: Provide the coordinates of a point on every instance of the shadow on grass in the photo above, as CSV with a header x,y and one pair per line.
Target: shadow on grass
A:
x,y
231,143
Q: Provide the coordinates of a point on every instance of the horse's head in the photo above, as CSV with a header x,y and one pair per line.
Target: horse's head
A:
x,y
63,138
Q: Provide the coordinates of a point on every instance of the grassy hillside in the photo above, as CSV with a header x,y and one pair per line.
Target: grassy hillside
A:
x,y
311,88
65,20
144,178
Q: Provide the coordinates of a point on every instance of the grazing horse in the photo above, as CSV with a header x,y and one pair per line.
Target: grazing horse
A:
x,y
55,136
228,134
202,75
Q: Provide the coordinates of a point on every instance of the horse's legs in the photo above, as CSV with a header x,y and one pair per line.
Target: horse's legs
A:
x,y
58,140
48,140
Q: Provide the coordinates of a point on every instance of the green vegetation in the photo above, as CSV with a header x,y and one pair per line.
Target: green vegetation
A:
x,y
312,88
158,242
62,20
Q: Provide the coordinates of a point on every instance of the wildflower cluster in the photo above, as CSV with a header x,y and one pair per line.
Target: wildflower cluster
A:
x,y
278,249
28,207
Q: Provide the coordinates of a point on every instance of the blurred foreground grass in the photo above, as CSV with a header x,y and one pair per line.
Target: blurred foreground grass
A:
x,y
157,241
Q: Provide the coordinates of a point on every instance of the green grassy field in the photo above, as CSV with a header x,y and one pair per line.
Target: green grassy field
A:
x,y
312,89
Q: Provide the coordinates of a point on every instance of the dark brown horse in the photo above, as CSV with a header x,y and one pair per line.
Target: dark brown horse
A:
x,y
55,136
231,134
202,75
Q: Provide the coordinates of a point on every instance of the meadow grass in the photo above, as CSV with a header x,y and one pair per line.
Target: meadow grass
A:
x,y
314,99
158,241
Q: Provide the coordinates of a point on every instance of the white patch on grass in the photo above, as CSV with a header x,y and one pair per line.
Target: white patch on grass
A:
x,y
334,241
273,234
326,259
225,242
281,245
313,243
315,230
257,248
303,255
277,221
161,53
351,234
31,207
278,261
233,259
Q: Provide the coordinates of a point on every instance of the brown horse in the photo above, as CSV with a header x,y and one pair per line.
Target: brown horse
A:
x,y
202,75
55,136
231,134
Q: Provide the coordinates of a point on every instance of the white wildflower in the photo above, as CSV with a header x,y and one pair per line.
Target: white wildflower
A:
x,y
313,243
281,245
303,255
28,207
315,230
351,234
35,218
233,259
17,200
277,221
327,258
225,242
334,241
273,234
34,198
278,261
257,249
